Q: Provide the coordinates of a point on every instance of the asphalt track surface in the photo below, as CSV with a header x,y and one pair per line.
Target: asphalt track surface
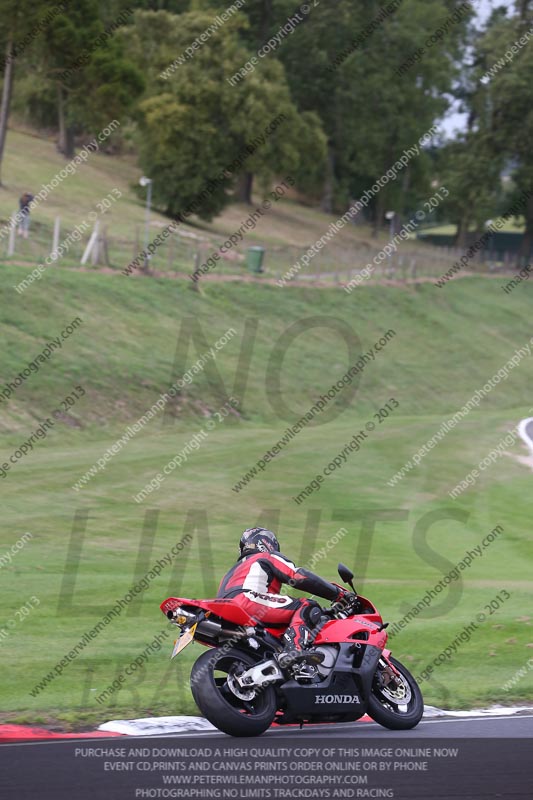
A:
x,y
516,727
494,761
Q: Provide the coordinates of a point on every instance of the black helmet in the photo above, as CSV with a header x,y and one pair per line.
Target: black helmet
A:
x,y
258,540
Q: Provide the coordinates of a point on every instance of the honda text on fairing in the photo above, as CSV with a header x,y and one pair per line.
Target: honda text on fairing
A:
x,y
241,686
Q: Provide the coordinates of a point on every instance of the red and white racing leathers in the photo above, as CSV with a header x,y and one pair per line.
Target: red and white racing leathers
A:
x,y
254,583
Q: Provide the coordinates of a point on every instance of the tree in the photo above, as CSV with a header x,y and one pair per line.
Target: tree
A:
x,y
470,169
194,125
93,82
502,100
342,62
18,24
308,90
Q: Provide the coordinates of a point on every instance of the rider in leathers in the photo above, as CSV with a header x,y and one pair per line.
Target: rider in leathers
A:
x,y
254,584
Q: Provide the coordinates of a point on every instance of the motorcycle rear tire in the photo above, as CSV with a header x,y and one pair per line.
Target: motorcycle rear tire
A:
x,y
218,705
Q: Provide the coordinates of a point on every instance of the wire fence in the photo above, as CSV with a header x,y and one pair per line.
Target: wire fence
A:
x,y
185,251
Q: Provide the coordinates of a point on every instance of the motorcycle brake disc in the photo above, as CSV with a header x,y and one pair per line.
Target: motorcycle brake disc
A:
x,y
397,690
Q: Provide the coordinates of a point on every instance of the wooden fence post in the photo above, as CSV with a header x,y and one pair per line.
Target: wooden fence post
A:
x,y
55,241
91,243
12,231
105,249
197,261
171,248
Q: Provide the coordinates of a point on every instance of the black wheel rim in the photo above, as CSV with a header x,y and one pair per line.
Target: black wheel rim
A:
x,y
223,670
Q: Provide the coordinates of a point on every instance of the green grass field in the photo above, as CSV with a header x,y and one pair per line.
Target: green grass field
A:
x,y
447,344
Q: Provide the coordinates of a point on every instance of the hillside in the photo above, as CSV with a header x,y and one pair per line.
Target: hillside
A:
x,y
32,161
123,356
125,349
104,189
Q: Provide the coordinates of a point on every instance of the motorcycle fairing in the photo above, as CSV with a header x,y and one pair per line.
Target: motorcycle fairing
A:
x,y
221,608
344,681
333,631
225,609
366,629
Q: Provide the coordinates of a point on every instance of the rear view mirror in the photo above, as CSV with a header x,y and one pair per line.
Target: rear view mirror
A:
x,y
345,573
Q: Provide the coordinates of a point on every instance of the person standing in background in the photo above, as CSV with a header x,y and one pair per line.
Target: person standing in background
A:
x,y
24,214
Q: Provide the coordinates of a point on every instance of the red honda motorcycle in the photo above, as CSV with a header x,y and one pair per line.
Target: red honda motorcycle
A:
x,y
241,688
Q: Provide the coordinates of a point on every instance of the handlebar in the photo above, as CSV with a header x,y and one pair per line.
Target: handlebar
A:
x,y
343,607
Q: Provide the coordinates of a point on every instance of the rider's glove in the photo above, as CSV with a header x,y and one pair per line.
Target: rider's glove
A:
x,y
346,598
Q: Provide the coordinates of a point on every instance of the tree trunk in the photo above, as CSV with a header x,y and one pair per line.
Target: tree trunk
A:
x,y
326,204
266,21
406,184
461,236
6,99
379,212
524,10
66,132
243,190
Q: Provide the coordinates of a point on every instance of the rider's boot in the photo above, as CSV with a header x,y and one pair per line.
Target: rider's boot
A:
x,y
299,636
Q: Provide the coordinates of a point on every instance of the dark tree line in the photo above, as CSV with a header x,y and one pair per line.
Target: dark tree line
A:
x,y
349,107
